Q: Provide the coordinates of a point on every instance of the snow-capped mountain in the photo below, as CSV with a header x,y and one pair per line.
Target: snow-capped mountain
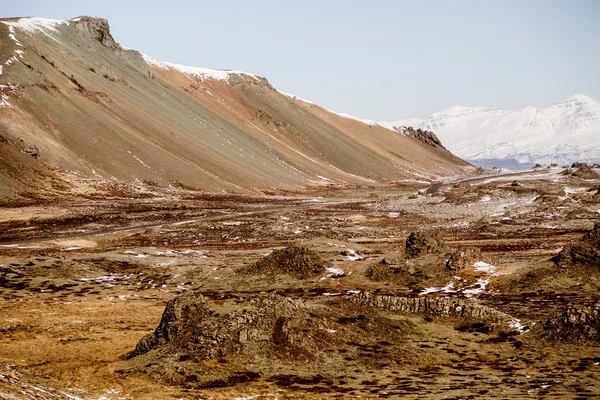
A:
x,y
566,132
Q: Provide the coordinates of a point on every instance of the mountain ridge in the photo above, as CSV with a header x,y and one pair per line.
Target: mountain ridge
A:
x,y
93,108
566,132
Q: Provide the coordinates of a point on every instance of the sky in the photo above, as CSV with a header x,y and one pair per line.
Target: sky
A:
x,y
377,59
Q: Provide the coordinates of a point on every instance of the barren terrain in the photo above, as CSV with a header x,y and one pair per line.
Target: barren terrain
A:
x,y
463,309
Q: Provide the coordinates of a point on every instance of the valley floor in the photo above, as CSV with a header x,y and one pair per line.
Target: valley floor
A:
x,y
83,280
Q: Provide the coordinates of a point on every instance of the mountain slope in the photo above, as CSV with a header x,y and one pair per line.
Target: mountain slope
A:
x,y
568,131
89,106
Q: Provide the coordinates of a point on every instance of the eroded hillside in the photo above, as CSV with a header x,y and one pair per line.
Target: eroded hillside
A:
x,y
90,108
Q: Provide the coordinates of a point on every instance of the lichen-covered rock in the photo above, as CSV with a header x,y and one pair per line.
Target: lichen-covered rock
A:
x,y
193,324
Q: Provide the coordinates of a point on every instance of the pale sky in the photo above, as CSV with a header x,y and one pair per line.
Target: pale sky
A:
x,y
377,59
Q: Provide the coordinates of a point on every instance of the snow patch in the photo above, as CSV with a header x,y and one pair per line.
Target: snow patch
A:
x,y
72,248
353,255
34,24
445,289
4,102
335,272
202,73
485,267
477,288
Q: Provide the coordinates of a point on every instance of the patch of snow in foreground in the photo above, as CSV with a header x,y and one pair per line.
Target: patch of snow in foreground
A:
x,y
353,256
177,253
477,288
516,324
445,289
133,253
335,272
485,267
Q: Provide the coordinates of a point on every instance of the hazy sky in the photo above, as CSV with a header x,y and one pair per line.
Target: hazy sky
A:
x,y
377,59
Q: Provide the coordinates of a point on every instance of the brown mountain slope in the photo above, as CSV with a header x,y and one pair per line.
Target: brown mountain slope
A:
x,y
87,105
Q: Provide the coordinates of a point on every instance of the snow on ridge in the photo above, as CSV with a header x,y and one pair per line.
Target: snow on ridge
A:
x,y
202,73
369,122
394,125
33,24
565,132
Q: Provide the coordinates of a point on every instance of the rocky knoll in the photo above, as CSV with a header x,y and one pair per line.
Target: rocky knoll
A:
x,y
419,243
297,261
421,262
202,343
194,323
585,252
427,261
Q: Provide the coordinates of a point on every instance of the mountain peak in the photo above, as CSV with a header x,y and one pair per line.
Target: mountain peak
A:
x,y
576,100
566,132
580,98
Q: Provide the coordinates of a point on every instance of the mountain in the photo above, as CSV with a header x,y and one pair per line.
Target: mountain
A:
x,y
74,104
564,133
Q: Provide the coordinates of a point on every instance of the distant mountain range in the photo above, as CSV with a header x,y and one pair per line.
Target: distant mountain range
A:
x,y
566,132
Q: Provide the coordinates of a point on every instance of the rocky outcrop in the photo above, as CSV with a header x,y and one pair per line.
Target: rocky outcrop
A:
x,y
419,244
584,171
464,257
578,324
424,136
381,271
585,252
204,344
294,260
191,323
97,28
437,307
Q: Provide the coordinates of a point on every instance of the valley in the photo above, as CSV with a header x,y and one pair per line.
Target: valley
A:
x,y
176,232
84,279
